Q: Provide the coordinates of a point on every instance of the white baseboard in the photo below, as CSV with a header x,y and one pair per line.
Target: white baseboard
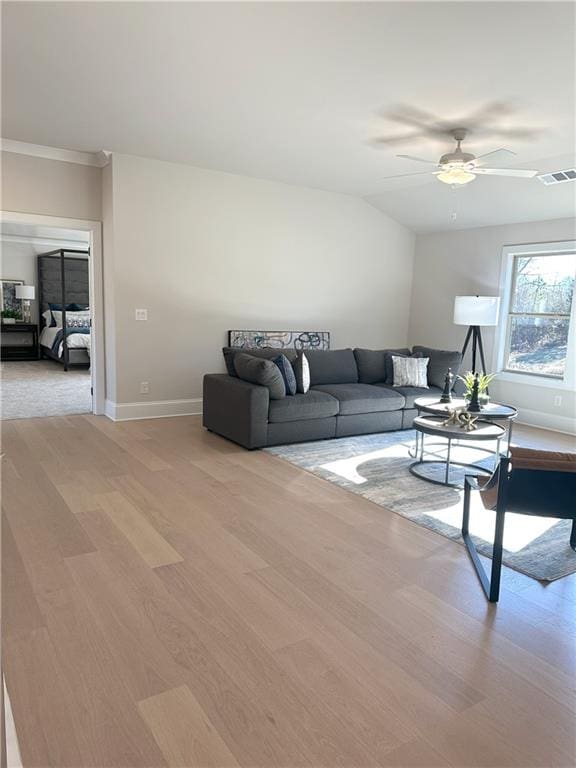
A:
x,y
547,421
160,409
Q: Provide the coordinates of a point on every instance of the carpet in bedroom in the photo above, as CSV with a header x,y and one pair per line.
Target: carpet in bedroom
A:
x,y
43,388
376,467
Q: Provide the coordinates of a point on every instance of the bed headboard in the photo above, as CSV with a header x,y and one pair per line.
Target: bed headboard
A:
x,y
63,278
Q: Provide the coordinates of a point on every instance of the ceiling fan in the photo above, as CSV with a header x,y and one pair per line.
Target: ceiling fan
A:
x,y
459,167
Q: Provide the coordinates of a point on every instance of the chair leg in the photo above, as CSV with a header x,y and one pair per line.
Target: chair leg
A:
x,y
491,587
573,535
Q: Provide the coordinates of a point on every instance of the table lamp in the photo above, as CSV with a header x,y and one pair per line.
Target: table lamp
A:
x,y
476,311
26,293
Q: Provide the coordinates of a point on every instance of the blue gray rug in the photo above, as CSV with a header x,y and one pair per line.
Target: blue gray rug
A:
x,y
376,467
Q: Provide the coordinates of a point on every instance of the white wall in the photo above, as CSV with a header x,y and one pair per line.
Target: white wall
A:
x,y
206,251
50,187
18,262
468,262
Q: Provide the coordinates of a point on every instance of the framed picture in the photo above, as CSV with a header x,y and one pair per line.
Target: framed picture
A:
x,y
279,339
8,298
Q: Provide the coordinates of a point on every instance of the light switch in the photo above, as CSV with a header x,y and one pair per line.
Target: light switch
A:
x,y
141,314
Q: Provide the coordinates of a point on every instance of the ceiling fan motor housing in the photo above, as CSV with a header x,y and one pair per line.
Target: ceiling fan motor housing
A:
x,y
456,158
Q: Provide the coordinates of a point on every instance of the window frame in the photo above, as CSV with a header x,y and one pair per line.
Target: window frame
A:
x,y
510,254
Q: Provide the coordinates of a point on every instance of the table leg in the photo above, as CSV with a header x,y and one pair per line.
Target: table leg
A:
x,y
510,425
448,460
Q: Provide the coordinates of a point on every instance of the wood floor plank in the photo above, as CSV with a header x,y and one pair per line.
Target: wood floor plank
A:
x,y
20,611
172,599
184,732
146,540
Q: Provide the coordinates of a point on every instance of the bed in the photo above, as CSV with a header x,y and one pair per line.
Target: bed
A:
x,y
64,303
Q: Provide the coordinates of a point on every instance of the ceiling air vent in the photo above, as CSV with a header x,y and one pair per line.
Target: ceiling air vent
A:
x,y
557,177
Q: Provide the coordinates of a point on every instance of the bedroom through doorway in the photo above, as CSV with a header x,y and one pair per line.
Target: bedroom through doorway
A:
x,y
46,329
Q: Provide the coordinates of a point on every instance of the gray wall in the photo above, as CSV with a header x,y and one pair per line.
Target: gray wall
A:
x,y
468,262
205,251
18,262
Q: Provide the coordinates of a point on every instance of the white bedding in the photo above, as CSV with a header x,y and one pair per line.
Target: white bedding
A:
x,y
73,340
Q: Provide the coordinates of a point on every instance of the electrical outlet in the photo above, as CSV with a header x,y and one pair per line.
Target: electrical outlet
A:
x,y
141,314
558,401
144,388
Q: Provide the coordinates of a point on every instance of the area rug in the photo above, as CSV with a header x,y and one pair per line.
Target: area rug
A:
x,y
376,467
43,388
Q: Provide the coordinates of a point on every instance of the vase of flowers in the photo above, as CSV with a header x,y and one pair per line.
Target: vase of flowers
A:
x,y
484,380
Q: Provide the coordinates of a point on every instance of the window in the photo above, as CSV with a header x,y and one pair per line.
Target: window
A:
x,y
538,324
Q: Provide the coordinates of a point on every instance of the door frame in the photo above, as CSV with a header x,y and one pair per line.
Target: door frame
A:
x,y
94,230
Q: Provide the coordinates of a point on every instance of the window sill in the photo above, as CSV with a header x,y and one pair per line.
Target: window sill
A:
x,y
534,381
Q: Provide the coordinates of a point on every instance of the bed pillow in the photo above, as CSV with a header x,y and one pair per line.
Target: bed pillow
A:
x,y
410,371
302,373
73,319
262,372
285,367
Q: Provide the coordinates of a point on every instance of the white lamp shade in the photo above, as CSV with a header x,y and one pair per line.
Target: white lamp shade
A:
x,y
476,310
25,292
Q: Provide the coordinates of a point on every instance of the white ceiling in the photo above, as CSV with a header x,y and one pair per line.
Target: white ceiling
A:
x,y
39,239
292,92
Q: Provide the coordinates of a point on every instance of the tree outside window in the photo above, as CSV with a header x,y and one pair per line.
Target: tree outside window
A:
x,y
539,314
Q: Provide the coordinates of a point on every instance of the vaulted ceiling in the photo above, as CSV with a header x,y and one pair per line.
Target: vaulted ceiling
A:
x,y
295,92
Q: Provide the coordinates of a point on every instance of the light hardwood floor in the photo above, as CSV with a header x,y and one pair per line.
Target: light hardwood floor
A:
x,y
170,599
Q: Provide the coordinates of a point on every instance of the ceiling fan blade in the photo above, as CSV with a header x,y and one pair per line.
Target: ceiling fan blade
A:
x,y
418,159
500,155
403,175
402,138
518,172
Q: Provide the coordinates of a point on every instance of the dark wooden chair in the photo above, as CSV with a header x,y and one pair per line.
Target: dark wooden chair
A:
x,y
528,482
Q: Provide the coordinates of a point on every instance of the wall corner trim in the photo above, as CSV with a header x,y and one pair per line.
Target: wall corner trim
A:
x,y
160,409
96,159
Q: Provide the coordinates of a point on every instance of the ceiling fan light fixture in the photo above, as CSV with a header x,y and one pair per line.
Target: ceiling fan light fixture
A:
x,y
456,176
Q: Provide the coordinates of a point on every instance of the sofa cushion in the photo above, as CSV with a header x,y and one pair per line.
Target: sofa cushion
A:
x,y
301,407
267,353
439,362
262,372
411,393
372,363
363,398
333,366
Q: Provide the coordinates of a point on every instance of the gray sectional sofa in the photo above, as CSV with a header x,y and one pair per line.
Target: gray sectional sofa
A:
x,y
351,393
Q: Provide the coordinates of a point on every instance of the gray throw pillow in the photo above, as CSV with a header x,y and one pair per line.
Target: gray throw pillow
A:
x,y
262,372
440,361
285,368
302,373
268,353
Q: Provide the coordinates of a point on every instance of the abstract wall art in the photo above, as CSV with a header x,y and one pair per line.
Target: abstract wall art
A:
x,y
279,339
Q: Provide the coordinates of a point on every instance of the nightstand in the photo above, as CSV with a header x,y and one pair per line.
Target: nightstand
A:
x,y
19,341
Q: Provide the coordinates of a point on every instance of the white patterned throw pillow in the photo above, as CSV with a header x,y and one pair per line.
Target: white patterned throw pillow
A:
x,y
410,371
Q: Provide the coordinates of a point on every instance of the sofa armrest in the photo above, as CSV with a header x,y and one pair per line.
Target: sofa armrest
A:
x,y
236,409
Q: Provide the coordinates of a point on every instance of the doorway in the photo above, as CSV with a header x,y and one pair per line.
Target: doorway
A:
x,y
51,331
